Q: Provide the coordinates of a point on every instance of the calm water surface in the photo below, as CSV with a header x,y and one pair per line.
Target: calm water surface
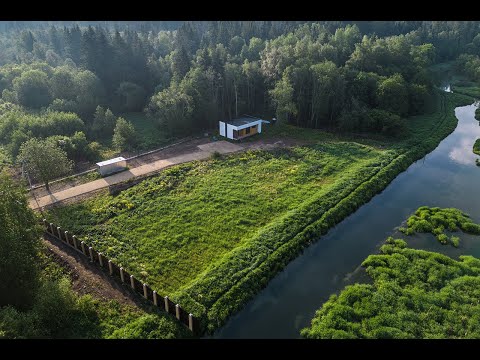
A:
x,y
447,177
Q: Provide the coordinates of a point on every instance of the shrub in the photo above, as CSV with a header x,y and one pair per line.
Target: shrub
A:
x,y
19,246
124,135
442,238
92,151
438,230
54,307
455,240
382,121
434,220
216,155
423,226
476,147
76,146
62,105
149,327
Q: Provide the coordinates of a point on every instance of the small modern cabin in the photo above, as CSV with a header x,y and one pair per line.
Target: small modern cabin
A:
x,y
237,129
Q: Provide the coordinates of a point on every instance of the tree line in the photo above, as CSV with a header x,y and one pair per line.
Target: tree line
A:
x,y
221,69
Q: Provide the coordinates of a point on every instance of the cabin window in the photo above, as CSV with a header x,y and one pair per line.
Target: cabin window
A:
x,y
247,130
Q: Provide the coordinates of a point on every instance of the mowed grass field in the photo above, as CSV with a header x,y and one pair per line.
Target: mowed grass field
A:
x,y
211,234
170,228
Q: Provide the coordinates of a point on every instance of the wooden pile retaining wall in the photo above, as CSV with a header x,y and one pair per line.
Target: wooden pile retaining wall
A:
x,y
141,288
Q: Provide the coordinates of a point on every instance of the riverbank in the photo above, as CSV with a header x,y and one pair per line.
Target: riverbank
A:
x,y
220,282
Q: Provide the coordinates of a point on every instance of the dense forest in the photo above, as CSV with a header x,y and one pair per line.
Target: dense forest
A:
x,y
74,79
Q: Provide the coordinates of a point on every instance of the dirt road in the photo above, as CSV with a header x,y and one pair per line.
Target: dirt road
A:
x,y
203,152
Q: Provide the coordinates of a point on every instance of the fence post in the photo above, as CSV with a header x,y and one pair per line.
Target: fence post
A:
x,y
110,267
91,253
177,311
51,229
166,303
132,283
59,231
45,224
100,259
121,275
75,245
155,301
83,248
190,322
145,294
66,237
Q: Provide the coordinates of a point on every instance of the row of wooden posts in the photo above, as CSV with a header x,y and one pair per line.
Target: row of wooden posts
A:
x,y
139,287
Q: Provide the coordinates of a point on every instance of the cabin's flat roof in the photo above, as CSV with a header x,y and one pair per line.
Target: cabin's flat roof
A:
x,y
111,161
242,121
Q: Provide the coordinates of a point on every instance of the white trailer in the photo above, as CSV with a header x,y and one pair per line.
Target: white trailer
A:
x,y
111,166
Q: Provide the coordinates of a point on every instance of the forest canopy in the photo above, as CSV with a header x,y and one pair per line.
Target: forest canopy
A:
x,y
185,76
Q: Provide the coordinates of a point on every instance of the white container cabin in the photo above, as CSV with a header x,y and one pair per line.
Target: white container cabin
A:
x,y
240,128
112,166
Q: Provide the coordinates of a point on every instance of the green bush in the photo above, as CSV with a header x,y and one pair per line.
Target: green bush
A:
x,y
77,146
476,147
216,155
442,238
438,230
124,135
149,326
16,127
435,220
55,309
385,122
455,240
63,105
19,245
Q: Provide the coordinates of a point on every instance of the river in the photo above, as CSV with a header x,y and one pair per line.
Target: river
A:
x,y
446,177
